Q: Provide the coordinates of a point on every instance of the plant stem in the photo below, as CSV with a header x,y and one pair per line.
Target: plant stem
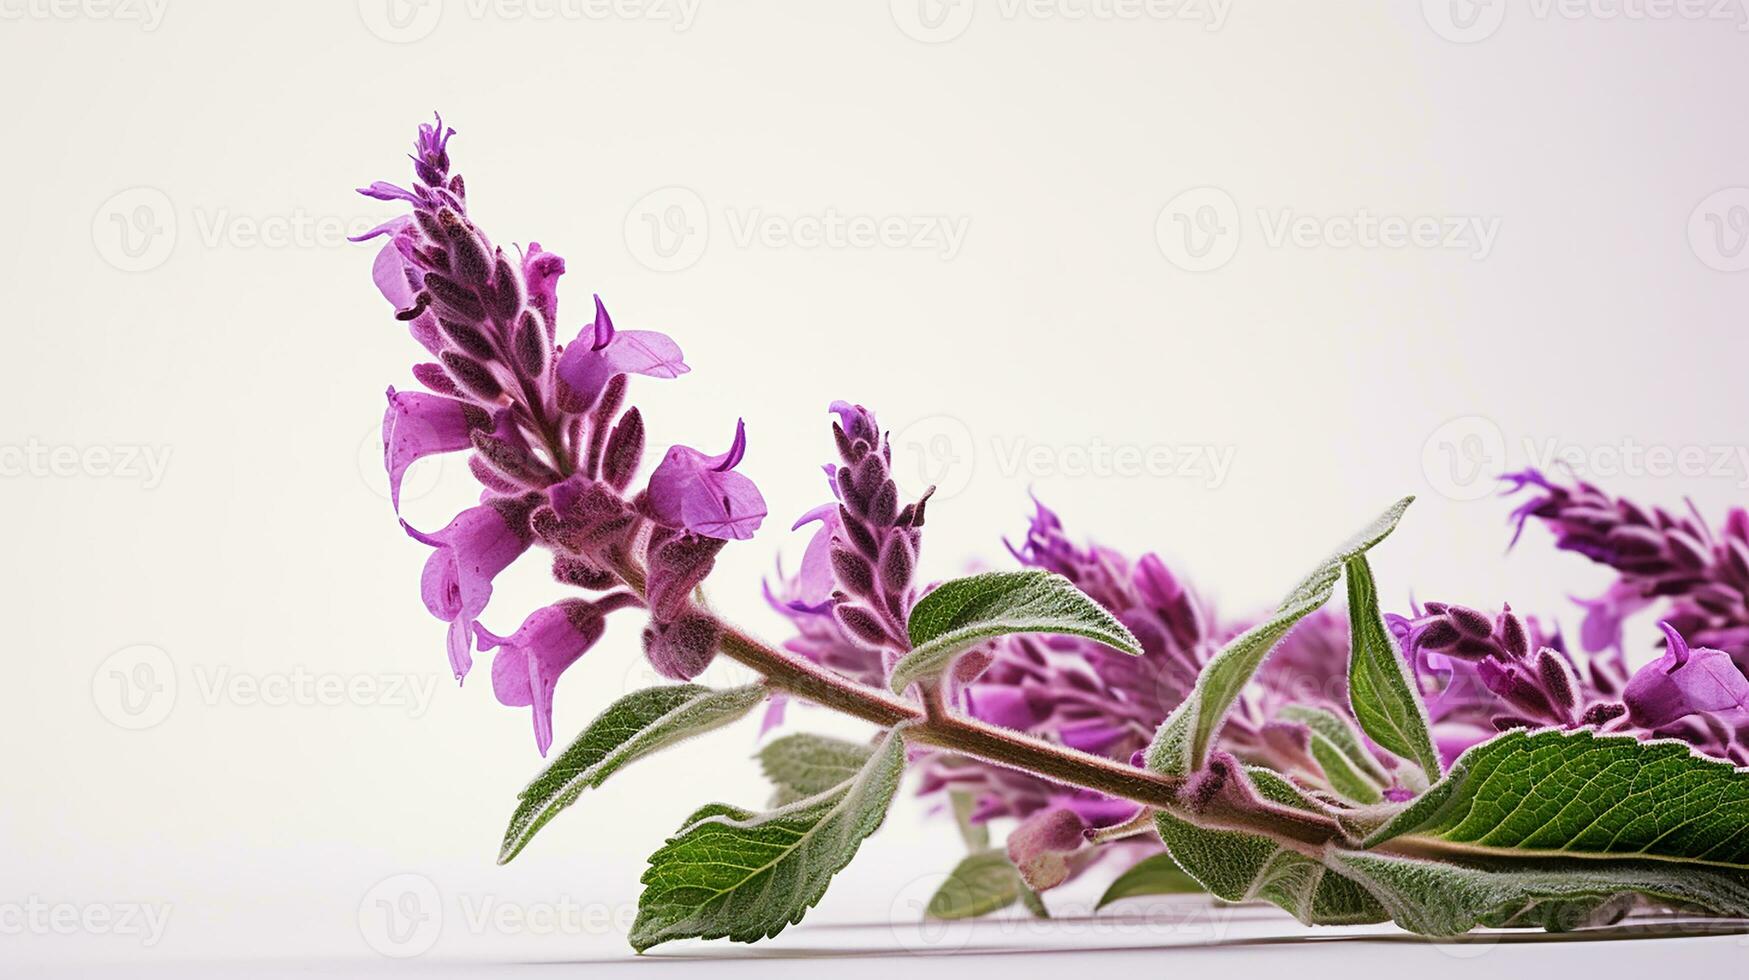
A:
x,y
990,743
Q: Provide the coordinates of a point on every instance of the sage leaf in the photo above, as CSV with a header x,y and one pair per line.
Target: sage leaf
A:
x,y
733,873
1154,875
976,835
1558,794
1349,769
1384,695
1241,867
962,613
1182,744
981,883
803,765
632,727
1440,899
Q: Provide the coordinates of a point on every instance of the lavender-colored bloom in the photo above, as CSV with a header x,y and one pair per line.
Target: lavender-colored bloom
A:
x,y
418,425
1684,682
1659,555
529,661
600,352
470,552
704,495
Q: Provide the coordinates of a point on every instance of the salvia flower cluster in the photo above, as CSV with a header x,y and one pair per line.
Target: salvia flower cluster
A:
x,y
1087,700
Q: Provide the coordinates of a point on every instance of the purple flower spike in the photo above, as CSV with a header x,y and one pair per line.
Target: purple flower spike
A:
x,y
529,661
600,352
457,582
704,495
1684,682
417,425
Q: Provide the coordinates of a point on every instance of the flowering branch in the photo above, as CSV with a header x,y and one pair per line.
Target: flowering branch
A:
x,y
1313,759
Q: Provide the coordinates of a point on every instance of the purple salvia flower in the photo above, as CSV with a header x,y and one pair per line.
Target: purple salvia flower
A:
x,y
549,440
470,552
1659,556
600,352
1685,682
529,661
704,495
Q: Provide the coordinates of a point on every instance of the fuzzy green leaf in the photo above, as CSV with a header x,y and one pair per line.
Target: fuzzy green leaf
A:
x,y
803,765
1579,794
1349,769
1182,744
976,835
981,883
733,873
1383,694
962,613
1154,875
634,726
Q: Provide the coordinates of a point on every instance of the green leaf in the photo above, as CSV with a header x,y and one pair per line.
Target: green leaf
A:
x,y
632,727
1156,875
1348,767
976,835
733,873
1384,695
962,613
803,765
1242,867
1561,794
1440,899
981,883
1182,744
1034,902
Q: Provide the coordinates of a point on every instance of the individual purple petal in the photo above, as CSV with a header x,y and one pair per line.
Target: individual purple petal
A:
x,y
530,660
600,352
704,495
417,425
1684,682
457,581
541,270
814,581
1041,845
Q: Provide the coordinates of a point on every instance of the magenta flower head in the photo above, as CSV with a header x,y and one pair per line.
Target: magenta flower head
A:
x,y
600,352
1685,682
529,661
470,552
704,495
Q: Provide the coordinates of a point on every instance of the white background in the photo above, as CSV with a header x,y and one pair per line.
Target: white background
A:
x,y
232,337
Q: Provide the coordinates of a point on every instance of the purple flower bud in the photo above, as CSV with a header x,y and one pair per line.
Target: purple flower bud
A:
x,y
1557,682
584,519
898,562
1041,845
854,571
474,377
682,648
861,623
677,562
541,272
530,344
433,377
625,450
514,461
